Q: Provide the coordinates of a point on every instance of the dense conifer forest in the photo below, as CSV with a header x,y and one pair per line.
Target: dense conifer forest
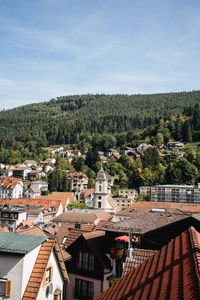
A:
x,y
101,121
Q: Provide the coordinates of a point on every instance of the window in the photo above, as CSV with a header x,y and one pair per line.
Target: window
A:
x,y
99,197
5,215
85,261
84,289
99,204
49,275
5,287
100,188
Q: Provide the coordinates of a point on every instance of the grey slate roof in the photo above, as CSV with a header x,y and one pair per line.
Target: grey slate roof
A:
x,y
145,222
11,242
101,175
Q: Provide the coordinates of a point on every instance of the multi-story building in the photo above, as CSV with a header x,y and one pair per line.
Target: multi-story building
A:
x,y
124,202
79,181
175,193
11,187
130,193
11,217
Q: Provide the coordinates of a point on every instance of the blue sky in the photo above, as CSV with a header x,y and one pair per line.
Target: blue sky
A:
x,y
50,48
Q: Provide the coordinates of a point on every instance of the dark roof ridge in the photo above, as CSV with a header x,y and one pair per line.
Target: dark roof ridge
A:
x,y
195,241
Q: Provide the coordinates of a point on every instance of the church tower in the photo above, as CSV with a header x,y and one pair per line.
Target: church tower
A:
x,y
102,191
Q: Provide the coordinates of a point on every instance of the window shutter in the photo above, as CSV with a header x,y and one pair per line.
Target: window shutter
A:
x,y
8,288
51,274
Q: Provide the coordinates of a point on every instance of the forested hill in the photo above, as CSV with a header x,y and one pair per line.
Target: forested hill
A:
x,y
61,120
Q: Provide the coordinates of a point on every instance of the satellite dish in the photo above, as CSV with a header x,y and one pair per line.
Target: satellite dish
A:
x,y
50,286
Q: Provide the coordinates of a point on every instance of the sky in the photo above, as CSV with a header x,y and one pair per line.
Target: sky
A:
x,y
51,48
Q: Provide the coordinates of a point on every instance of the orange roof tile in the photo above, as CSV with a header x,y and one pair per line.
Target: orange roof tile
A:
x,y
4,229
65,230
22,202
62,196
139,255
171,273
9,182
39,268
32,231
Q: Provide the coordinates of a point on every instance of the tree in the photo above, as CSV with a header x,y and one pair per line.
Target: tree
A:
x,y
92,157
151,158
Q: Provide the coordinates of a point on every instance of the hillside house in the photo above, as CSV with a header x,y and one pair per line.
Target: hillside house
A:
x,y
21,172
36,188
11,187
79,181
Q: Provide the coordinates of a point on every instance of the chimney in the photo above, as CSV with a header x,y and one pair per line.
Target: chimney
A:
x,y
78,225
130,248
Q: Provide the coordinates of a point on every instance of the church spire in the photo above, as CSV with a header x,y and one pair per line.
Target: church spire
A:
x,y
101,175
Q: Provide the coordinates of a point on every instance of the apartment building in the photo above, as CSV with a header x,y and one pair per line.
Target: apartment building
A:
x,y
175,193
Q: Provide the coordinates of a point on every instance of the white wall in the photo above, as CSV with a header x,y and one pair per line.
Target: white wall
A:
x,y
57,280
29,261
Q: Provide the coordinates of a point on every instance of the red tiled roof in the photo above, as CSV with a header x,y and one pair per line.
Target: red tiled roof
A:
x,y
64,230
22,202
9,182
39,268
62,196
4,229
88,192
73,235
172,273
139,255
32,231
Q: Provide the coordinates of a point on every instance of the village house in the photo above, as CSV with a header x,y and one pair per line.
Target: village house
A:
x,y
86,196
174,145
56,149
128,193
89,265
79,181
50,208
112,152
124,202
32,267
65,198
36,188
29,163
11,187
7,171
75,153
11,217
21,172
48,162
142,147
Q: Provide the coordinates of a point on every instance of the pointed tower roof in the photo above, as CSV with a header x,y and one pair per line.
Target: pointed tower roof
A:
x,y
101,175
